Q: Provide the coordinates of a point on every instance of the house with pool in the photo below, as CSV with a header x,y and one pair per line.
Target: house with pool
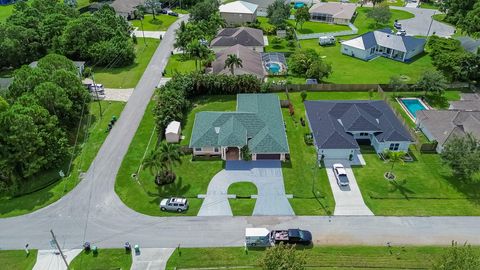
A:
x,y
256,125
249,37
251,62
339,127
383,43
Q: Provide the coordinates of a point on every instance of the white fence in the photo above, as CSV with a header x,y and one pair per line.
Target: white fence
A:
x,y
353,30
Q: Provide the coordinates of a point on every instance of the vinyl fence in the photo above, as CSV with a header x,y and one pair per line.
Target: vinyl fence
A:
x,y
353,31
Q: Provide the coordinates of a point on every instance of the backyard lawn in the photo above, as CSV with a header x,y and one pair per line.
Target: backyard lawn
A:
x,y
311,27
161,22
325,257
105,259
86,151
17,259
128,77
5,12
365,24
193,177
179,63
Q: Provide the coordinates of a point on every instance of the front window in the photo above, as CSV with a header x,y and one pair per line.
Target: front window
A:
x,y
394,146
216,150
198,149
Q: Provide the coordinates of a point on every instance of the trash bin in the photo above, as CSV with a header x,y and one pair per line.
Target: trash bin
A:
x,y
137,249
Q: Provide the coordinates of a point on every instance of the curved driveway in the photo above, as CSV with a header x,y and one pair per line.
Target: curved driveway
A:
x,y
93,212
420,24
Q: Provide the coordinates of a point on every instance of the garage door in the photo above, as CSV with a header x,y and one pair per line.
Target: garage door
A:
x,y
268,156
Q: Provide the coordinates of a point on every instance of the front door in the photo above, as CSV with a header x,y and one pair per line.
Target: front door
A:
x,y
232,153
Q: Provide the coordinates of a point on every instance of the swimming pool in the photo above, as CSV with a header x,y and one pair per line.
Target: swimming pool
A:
x,y
412,106
273,67
298,5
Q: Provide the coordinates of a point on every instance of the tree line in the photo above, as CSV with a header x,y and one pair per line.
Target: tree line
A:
x,y
45,26
38,117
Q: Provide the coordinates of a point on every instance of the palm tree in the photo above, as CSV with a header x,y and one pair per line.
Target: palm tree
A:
x,y
394,157
233,61
161,160
197,51
153,164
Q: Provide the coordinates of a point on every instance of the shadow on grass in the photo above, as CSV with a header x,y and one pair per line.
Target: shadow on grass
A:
x,y
472,191
175,189
155,21
400,186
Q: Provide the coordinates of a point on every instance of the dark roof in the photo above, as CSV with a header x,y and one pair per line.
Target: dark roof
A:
x,y
386,38
245,36
332,122
251,61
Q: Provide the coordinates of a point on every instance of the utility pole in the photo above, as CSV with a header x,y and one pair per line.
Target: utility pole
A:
x,y
96,93
431,21
59,249
143,32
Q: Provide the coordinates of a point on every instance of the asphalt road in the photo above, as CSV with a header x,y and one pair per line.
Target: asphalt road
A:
x,y
93,212
423,22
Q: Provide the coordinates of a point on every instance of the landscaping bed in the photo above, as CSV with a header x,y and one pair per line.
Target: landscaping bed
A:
x,y
128,77
41,196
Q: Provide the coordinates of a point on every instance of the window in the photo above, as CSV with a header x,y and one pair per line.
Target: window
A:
x,y
363,134
394,146
175,204
216,150
198,149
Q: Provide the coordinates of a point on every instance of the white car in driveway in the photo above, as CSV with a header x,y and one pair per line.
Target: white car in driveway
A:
x,y
174,204
340,174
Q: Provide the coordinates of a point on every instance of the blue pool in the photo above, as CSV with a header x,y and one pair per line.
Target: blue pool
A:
x,y
413,105
273,67
298,5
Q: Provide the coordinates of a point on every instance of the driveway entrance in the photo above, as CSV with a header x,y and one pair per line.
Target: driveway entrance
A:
x,y
266,175
348,200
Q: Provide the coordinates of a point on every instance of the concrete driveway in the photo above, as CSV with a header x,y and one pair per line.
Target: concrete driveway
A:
x,y
419,25
266,175
348,200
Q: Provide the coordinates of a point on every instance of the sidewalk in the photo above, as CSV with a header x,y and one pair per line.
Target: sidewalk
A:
x,y
49,260
151,258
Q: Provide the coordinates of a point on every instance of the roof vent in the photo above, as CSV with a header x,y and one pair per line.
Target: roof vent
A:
x,y
388,35
378,121
340,121
217,130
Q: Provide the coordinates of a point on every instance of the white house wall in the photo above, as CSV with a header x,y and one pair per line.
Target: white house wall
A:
x,y
413,53
335,153
355,52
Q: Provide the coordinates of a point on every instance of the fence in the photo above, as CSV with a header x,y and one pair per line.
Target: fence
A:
x,y
324,87
353,30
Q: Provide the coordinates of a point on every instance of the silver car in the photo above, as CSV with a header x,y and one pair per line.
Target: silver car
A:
x,y
340,174
174,204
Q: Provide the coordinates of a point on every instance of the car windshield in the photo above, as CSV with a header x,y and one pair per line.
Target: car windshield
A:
x,y
301,234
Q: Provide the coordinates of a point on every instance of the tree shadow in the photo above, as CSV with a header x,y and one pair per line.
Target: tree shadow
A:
x,y
400,186
471,191
175,189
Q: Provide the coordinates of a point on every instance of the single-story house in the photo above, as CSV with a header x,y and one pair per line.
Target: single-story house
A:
x,y
442,125
333,12
173,132
256,124
338,126
79,64
126,8
238,12
470,44
249,37
383,43
263,5
465,105
251,62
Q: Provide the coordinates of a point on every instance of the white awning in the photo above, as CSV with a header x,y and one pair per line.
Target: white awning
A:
x,y
252,232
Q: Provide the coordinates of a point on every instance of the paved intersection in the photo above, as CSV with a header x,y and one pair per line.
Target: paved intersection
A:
x,y
93,212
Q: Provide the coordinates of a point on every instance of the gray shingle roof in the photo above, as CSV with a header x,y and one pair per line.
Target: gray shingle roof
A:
x,y
251,61
333,122
386,38
126,6
245,36
257,122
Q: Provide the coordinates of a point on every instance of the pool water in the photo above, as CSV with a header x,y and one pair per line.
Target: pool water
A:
x,y
273,67
413,105
298,5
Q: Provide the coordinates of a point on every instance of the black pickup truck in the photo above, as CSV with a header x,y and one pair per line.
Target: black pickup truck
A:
x,y
291,236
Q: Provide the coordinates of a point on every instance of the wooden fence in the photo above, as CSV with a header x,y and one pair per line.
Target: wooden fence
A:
x,y
324,87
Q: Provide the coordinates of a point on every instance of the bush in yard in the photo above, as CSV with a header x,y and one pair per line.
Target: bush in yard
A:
x,y
319,70
283,257
433,82
276,40
380,14
462,155
307,63
458,258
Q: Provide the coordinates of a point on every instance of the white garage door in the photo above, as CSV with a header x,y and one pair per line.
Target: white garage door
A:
x,y
336,153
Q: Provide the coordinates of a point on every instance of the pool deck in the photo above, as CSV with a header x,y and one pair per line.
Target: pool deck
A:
x,y
413,118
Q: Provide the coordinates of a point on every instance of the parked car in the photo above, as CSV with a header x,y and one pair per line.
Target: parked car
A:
x,y
164,11
291,236
401,33
174,204
340,174
171,13
397,25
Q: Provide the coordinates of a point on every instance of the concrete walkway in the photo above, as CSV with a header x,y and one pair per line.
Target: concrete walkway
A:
x,y
148,34
266,175
420,24
50,260
348,200
118,94
151,258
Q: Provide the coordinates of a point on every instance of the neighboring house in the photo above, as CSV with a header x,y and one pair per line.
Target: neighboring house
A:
x,y
126,8
79,64
246,36
5,83
263,5
383,43
465,105
238,12
257,124
173,132
338,127
470,44
333,12
251,62
7,2
442,125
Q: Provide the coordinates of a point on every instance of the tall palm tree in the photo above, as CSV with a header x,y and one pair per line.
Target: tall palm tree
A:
x,y
232,62
394,157
153,163
197,51
169,154
161,160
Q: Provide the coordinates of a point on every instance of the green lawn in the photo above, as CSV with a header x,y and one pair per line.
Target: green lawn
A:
x,y
105,259
83,3
243,189
128,77
430,188
428,5
179,63
5,12
17,259
193,177
242,207
280,47
311,27
365,24
86,152
161,22
324,257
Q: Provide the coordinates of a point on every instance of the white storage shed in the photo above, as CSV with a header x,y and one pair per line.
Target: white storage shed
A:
x,y
173,132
